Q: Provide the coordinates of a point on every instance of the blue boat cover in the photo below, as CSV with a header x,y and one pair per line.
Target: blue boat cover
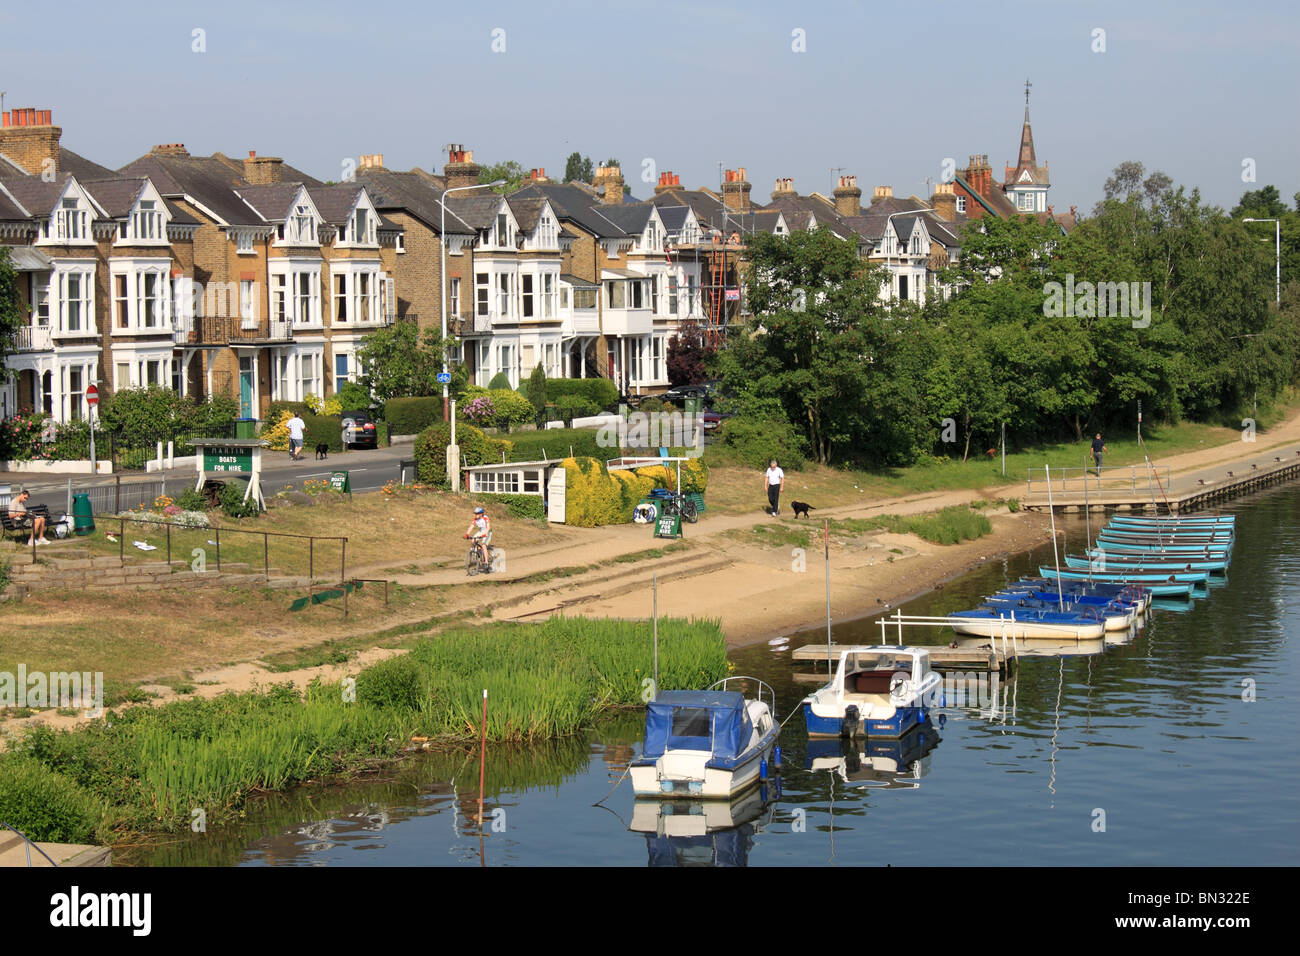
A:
x,y
709,720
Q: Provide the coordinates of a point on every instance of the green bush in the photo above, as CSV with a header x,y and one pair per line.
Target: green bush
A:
x,y
520,506
322,430
570,407
233,504
509,408
601,392
499,380
755,443
191,500
45,805
275,409
353,396
476,448
410,416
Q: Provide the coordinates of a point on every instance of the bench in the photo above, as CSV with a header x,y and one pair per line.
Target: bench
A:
x,y
12,526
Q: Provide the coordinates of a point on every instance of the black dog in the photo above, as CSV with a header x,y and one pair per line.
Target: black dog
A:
x,y
801,508
322,451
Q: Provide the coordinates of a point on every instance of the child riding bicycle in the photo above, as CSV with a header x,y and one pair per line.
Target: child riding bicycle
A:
x,y
480,530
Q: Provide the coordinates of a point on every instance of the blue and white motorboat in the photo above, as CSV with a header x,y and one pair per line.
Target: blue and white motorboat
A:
x,y
885,762
880,690
1022,623
708,744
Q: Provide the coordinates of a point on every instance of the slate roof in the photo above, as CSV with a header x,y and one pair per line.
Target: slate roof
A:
x,y
273,201
526,211
8,211
35,194
82,168
117,195
335,203
479,212
577,205
209,181
630,217
674,218
412,192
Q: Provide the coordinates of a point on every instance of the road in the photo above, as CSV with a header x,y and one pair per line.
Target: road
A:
x,y
368,470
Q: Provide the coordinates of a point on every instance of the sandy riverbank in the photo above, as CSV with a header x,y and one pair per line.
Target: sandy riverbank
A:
x,y
765,592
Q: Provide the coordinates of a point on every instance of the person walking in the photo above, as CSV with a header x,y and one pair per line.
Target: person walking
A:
x,y
1098,449
773,484
296,426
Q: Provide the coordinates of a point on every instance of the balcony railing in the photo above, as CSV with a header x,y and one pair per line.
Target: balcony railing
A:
x,y
586,320
33,338
279,330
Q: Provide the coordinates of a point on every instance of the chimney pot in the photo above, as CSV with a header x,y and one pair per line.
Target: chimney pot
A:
x,y
252,154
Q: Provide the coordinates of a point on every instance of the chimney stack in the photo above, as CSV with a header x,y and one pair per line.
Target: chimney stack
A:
x,y
944,202
461,170
735,190
371,161
611,177
668,180
784,187
29,138
848,197
979,174
538,175
882,192
169,149
263,170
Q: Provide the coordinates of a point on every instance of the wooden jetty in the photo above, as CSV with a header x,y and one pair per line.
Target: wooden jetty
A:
x,y
981,657
1131,488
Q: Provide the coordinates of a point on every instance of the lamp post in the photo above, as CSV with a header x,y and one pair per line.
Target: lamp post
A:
x,y
1277,236
442,294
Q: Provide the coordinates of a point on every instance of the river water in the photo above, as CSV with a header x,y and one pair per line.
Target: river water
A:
x,y
1173,748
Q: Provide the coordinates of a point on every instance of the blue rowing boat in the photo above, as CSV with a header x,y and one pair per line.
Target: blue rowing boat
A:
x,y
1158,585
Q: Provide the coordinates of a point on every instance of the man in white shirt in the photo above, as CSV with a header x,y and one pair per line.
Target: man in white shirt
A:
x,y
774,483
296,426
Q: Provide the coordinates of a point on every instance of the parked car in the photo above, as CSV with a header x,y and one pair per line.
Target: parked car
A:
x,y
359,430
679,393
713,420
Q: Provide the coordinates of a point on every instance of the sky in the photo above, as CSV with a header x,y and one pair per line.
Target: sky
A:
x,y
1204,91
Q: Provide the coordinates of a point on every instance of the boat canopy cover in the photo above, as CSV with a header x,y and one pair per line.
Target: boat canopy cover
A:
x,y
709,720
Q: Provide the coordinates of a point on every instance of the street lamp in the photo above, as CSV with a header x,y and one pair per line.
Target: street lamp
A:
x,y
1277,235
442,294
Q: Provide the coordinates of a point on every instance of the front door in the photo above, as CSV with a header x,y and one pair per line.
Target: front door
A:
x,y
246,387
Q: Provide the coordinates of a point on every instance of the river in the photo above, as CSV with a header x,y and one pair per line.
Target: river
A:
x,y
1172,748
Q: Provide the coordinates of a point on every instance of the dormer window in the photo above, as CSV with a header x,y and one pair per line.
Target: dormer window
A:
x,y
71,221
362,227
146,223
301,226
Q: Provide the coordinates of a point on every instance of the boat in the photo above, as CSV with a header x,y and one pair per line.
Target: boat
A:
x,y
1151,536
706,743
1177,521
1101,559
1160,588
1129,577
1169,550
1086,589
880,690
1114,617
884,762
1028,623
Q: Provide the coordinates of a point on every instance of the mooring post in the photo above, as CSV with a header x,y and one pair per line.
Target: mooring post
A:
x,y
266,554
311,557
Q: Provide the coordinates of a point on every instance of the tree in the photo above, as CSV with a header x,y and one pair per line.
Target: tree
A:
x,y
513,174
1263,203
578,168
688,355
399,362
13,315
535,389
820,351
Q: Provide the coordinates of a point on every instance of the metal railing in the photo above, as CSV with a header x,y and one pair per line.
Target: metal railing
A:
x,y
29,844
1134,479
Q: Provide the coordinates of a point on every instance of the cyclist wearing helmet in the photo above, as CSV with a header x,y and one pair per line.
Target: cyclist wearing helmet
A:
x,y
480,530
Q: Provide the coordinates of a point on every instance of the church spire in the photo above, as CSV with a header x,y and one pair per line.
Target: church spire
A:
x,y
1027,159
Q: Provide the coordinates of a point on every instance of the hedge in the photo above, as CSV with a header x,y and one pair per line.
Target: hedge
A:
x,y
476,448
410,416
319,429
558,443
600,391
519,506
45,805
510,407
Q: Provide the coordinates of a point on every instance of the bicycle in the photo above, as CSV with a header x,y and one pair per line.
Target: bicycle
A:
x,y
680,504
474,562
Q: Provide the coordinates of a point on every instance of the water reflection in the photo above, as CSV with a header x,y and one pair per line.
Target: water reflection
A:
x,y
1129,723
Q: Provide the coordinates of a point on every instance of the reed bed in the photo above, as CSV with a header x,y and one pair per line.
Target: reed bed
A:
x,y
152,768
